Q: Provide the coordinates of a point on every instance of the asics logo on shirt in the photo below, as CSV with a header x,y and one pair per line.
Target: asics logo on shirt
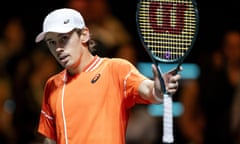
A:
x,y
95,78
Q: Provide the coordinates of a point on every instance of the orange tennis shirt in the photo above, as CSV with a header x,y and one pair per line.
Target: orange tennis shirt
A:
x,y
91,107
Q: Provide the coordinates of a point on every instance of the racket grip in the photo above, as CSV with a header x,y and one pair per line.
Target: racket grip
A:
x,y
167,119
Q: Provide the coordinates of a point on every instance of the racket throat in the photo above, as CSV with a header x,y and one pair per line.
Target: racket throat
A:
x,y
162,82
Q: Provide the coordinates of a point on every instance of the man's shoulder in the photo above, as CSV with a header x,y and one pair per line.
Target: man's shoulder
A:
x,y
117,61
118,64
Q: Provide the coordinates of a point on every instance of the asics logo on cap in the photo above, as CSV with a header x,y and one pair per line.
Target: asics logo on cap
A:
x,y
66,21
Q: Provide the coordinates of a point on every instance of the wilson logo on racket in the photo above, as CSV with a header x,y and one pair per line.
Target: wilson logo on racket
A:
x,y
172,24
95,78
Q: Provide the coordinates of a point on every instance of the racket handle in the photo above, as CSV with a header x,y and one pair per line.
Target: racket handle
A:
x,y
167,119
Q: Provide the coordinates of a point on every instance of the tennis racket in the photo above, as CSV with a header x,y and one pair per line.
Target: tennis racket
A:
x,y
168,30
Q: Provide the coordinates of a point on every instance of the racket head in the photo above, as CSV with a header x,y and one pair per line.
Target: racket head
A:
x,y
167,28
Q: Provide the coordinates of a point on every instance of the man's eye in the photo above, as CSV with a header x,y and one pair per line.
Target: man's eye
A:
x,y
51,43
64,39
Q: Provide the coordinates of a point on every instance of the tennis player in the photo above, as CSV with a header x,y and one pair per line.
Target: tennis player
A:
x,y
89,101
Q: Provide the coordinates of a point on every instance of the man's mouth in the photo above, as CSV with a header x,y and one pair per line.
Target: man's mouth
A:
x,y
63,58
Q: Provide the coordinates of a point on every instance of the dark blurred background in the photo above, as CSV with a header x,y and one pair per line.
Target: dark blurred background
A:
x,y
25,66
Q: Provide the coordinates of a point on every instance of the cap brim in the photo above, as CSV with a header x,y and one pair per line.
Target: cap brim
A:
x,y
40,37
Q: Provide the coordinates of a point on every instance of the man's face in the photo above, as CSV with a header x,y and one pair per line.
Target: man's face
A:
x,y
66,48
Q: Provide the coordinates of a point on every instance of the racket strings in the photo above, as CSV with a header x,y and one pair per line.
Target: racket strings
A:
x,y
167,27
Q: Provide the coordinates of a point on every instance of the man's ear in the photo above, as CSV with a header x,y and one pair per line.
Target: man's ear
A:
x,y
85,35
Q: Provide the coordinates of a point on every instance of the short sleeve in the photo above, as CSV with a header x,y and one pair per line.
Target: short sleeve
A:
x,y
131,79
46,122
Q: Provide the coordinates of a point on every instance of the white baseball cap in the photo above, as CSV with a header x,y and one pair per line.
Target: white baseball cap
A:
x,y
61,20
